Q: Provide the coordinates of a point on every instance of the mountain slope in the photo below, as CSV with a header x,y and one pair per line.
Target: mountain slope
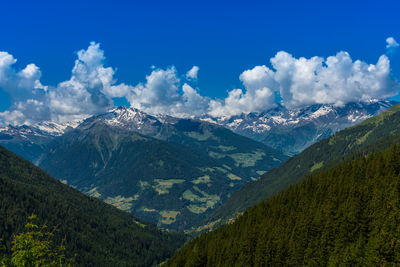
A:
x,y
317,156
293,130
346,216
99,234
175,179
30,141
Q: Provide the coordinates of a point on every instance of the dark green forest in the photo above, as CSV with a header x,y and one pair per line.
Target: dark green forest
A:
x,y
348,215
94,233
377,132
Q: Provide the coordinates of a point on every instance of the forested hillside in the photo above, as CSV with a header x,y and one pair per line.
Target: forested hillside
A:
x,y
96,234
175,179
383,129
348,215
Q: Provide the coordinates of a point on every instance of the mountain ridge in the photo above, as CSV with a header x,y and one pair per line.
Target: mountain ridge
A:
x,y
318,156
171,171
293,130
94,233
347,215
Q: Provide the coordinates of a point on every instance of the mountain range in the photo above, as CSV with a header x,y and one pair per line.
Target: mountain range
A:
x,y
334,204
322,154
293,130
287,130
171,171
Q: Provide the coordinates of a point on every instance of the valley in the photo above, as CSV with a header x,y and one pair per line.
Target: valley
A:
x,y
199,133
174,172
197,177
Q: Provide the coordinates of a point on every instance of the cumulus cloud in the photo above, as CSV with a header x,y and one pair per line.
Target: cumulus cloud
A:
x,y
162,94
90,91
335,80
192,73
300,81
259,95
391,45
80,96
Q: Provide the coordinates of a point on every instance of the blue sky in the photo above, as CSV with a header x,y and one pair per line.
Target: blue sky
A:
x,y
223,38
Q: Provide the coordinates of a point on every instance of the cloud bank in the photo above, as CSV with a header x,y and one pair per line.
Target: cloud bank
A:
x,y
299,82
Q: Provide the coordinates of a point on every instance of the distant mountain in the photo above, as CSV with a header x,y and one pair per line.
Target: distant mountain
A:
x,y
381,131
96,234
293,130
348,215
170,171
30,141
187,168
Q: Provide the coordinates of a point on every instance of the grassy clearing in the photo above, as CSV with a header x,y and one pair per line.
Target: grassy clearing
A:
x,y
233,177
205,227
163,186
201,136
189,195
317,166
226,148
120,202
200,203
227,167
197,209
149,210
93,192
143,184
202,180
168,216
247,159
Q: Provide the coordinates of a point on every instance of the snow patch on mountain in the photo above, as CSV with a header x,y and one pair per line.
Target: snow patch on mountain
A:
x,y
56,129
46,129
292,130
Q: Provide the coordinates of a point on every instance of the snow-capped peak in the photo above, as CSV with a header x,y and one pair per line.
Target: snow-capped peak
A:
x,y
313,122
54,128
41,129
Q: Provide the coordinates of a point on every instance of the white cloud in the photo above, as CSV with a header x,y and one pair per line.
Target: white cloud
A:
x,y
90,91
80,96
260,86
192,73
335,80
299,81
391,45
162,94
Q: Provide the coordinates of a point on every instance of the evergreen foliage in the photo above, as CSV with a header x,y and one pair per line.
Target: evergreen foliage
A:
x,y
348,215
378,132
94,233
